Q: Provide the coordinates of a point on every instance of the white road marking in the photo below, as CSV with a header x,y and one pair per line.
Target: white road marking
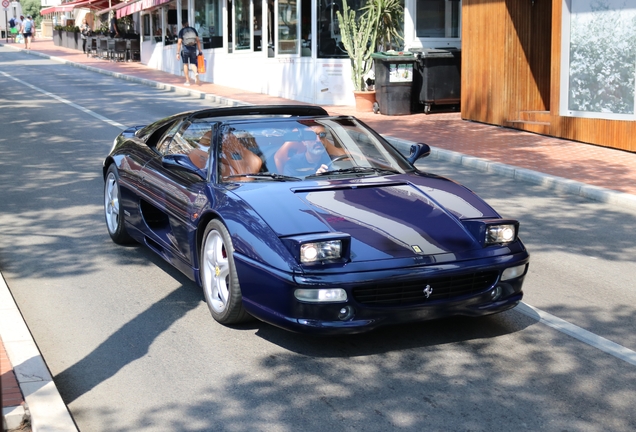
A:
x,y
74,105
576,332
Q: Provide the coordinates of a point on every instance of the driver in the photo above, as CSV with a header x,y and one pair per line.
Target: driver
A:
x,y
314,160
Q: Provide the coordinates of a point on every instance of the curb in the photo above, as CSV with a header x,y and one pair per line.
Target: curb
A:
x,y
551,182
45,405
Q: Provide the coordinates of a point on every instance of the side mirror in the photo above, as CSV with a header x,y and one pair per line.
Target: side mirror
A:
x,y
181,162
418,151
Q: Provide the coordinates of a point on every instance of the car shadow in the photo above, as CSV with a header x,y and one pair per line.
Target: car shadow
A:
x,y
398,337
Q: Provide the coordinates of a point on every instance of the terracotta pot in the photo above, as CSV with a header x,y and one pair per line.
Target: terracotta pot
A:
x,y
364,100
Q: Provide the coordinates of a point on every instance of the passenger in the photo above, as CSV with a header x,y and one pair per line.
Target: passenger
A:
x,y
314,160
199,156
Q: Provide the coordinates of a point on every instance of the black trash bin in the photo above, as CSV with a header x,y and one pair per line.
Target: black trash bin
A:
x,y
393,82
437,78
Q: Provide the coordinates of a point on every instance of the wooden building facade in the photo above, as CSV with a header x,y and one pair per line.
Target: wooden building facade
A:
x,y
512,73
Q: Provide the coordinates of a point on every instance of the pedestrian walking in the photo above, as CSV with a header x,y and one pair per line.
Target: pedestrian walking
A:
x,y
28,29
18,23
85,31
187,43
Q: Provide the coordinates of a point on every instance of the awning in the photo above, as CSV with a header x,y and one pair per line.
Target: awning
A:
x,y
139,5
113,8
68,7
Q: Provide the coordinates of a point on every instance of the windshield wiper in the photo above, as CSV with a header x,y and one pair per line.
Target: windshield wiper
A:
x,y
264,175
359,170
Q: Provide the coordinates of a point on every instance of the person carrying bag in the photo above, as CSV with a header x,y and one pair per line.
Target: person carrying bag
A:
x,y
187,44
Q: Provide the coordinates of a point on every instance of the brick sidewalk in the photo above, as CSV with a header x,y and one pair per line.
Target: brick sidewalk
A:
x,y
11,394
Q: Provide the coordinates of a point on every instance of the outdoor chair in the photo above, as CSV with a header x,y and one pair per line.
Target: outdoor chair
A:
x,y
119,50
102,50
91,47
134,53
111,49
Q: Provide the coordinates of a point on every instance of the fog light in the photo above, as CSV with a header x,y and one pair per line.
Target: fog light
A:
x,y
513,272
345,313
495,293
327,295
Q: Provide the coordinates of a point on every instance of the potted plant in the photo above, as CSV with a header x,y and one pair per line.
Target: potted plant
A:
x,y
57,35
359,31
363,32
75,39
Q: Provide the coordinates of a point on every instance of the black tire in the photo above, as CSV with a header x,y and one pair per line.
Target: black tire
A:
x,y
115,220
219,280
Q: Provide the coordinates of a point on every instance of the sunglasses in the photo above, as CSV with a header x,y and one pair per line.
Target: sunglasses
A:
x,y
310,135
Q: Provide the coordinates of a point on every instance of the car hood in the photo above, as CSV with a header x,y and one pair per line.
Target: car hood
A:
x,y
415,216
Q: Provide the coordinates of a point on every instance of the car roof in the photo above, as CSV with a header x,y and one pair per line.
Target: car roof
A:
x,y
247,111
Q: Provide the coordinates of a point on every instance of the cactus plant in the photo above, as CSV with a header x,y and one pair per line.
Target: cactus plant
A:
x,y
359,33
376,23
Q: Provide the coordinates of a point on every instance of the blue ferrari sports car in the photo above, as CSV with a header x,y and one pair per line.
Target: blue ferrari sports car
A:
x,y
310,222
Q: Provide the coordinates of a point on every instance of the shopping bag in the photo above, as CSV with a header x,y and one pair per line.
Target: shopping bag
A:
x,y
19,38
200,64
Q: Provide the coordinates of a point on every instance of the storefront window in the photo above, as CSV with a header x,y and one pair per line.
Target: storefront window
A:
x,y
243,23
208,22
329,39
305,28
598,71
146,27
437,18
287,27
155,18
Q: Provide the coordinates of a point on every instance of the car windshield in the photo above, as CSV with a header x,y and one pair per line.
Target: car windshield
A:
x,y
292,150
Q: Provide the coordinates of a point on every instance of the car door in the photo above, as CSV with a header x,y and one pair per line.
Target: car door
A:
x,y
173,197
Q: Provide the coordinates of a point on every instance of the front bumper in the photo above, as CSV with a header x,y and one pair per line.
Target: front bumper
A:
x,y
275,303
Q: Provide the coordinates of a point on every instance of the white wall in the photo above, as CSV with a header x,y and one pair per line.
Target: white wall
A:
x,y
314,81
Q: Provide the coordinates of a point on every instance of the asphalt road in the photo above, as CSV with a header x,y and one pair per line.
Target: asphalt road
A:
x,y
132,346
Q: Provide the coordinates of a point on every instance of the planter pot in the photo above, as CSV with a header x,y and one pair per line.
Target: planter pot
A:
x,y
364,100
57,37
64,37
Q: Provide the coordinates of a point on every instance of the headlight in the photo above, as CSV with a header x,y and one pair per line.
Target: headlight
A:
x,y
504,233
319,248
323,295
320,251
490,232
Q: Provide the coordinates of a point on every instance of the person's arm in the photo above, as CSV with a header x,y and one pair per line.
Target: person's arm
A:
x,y
179,41
199,45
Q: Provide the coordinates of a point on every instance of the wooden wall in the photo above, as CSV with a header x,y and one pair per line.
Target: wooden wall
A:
x,y
511,67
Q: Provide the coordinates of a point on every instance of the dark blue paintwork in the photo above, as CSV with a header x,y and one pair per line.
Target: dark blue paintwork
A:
x,y
385,216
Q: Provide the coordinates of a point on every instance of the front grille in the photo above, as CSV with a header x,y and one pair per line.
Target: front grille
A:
x,y
407,293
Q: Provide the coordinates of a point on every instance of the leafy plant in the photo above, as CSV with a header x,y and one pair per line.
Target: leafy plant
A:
x,y
359,31
390,22
376,26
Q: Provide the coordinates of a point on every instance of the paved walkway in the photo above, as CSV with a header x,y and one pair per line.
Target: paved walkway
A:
x,y
596,172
